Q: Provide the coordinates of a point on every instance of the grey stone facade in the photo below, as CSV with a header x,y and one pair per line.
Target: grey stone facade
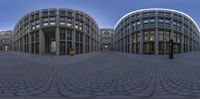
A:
x,y
148,31
56,31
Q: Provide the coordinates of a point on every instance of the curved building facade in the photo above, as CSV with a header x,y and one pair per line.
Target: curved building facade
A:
x,y
56,31
148,31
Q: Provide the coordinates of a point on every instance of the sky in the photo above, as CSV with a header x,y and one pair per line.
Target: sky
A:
x,y
105,12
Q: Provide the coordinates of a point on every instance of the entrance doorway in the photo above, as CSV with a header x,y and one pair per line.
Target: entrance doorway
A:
x,y
50,41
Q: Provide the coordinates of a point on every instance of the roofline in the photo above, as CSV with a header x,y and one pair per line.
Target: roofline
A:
x,y
40,9
156,9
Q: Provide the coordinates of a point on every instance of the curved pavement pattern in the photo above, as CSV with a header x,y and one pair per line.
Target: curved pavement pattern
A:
x,y
103,75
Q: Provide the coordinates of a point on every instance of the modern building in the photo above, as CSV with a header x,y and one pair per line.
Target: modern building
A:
x,y
148,31
5,40
56,31
106,39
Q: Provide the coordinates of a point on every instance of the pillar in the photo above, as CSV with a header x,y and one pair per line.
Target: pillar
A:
x,y
156,42
57,41
42,42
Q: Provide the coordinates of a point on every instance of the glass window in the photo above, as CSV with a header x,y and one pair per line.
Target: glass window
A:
x,y
167,36
33,23
174,23
62,23
62,48
148,48
52,13
146,36
69,20
152,35
52,19
178,38
62,19
76,22
52,23
76,26
37,26
167,21
45,13
37,22
33,28
134,24
178,24
146,21
174,37
69,34
151,13
62,12
161,36
138,37
81,37
161,13
167,14
145,14
152,20
45,24
69,24
62,34
161,48
77,36
138,23
161,20
45,20
37,36
134,38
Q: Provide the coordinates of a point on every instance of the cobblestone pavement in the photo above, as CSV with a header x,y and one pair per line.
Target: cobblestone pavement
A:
x,y
102,75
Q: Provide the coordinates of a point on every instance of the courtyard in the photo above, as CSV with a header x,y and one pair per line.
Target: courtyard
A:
x,y
99,75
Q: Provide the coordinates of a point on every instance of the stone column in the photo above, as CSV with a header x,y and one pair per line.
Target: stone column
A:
x,y
66,48
130,43
57,41
182,42
141,35
30,42
42,42
73,40
84,42
156,42
141,42
156,37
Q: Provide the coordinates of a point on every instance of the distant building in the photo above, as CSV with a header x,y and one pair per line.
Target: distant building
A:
x,y
5,40
106,39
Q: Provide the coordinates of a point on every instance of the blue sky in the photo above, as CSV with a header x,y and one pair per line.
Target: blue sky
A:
x,y
105,12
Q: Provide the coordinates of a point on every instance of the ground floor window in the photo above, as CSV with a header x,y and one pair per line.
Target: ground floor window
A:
x,y
177,48
81,48
138,48
69,46
133,48
37,48
161,47
77,48
62,48
32,48
149,48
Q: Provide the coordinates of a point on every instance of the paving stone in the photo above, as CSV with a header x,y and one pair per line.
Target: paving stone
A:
x,y
99,74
